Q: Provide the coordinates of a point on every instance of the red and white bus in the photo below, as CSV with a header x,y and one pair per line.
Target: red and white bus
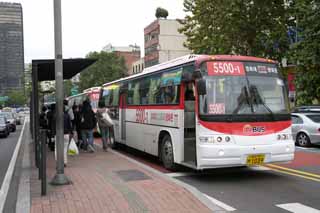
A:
x,y
91,94
204,112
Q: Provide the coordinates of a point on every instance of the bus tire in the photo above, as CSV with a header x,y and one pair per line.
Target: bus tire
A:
x,y
167,155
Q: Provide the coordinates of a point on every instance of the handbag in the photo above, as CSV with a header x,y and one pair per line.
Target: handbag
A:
x,y
106,119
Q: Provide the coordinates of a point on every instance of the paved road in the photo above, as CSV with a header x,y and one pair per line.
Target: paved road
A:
x,y
7,146
293,187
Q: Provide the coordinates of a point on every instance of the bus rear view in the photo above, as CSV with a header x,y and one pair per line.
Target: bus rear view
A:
x,y
242,113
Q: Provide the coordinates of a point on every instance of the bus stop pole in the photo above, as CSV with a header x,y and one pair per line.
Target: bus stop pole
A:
x,y
60,178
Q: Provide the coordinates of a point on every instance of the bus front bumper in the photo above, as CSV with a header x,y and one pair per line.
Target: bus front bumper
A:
x,y
216,156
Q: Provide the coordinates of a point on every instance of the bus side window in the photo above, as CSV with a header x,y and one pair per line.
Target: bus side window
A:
x,y
136,94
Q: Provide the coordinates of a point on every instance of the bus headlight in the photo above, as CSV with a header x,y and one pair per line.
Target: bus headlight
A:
x,y
215,139
282,137
206,139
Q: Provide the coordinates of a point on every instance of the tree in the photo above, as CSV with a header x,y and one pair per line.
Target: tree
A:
x,y
67,86
306,52
108,67
245,27
161,13
16,98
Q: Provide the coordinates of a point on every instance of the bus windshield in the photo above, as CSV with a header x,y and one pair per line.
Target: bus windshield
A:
x,y
243,94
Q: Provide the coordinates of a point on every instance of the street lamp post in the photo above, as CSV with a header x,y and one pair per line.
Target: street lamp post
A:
x,y
60,178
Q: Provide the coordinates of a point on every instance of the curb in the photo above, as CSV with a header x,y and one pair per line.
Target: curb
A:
x,y
195,192
23,199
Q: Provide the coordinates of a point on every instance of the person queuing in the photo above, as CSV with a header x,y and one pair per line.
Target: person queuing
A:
x,y
104,122
77,123
87,124
51,115
68,134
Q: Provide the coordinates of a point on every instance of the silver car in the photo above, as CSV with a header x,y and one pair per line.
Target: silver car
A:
x,y
306,128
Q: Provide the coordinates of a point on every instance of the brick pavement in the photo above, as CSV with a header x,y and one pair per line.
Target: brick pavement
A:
x,y
98,187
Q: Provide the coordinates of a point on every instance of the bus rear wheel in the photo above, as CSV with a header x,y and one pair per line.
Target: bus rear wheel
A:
x,y
167,155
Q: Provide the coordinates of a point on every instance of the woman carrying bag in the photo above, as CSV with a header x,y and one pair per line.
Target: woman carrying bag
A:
x,y
104,122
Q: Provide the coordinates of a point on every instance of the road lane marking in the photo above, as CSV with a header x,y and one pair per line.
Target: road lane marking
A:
x,y
179,174
298,208
313,150
293,174
7,179
294,170
259,168
219,203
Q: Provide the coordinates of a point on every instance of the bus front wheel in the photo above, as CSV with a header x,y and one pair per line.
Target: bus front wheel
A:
x,y
167,155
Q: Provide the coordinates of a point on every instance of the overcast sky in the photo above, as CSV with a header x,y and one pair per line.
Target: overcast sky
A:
x,y
89,25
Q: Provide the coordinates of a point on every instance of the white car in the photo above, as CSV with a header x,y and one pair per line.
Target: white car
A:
x,y
306,128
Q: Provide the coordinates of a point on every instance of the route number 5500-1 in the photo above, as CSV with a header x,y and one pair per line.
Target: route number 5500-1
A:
x,y
223,67
226,68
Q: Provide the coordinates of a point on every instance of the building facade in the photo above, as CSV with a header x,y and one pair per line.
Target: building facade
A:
x,y
130,54
11,47
137,66
163,42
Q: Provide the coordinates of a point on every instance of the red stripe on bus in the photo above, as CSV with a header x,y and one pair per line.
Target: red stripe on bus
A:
x,y
168,107
247,129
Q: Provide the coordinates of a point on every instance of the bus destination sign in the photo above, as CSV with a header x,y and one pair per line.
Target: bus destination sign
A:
x,y
225,68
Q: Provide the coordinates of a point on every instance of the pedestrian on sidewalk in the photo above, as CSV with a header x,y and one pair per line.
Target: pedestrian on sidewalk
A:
x,y
104,122
51,116
77,124
68,134
88,123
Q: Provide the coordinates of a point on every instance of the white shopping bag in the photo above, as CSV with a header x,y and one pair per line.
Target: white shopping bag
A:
x,y
73,149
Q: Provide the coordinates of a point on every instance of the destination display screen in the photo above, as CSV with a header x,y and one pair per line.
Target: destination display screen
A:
x,y
216,68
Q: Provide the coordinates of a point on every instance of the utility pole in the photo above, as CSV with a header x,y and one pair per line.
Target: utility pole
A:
x,y
60,178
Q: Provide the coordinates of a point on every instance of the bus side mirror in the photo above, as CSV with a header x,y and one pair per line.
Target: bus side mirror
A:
x,y
201,87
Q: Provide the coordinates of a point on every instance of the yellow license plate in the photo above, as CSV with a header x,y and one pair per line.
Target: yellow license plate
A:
x,y
255,160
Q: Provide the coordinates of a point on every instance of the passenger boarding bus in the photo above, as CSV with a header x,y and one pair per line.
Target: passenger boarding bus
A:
x,y
204,112
91,95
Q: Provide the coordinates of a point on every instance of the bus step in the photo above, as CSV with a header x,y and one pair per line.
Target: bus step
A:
x,y
190,164
192,139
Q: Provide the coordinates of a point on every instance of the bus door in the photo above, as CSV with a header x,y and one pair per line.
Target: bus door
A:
x,y
189,125
123,106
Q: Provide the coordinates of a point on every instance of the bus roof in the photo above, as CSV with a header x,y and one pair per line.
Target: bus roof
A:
x,y
198,59
73,96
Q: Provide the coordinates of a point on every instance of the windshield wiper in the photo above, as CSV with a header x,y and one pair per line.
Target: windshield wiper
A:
x,y
242,99
258,100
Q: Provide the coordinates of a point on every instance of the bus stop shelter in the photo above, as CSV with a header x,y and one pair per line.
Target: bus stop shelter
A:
x,y
44,70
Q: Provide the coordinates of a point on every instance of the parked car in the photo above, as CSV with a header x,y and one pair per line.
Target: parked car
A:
x,y
312,108
306,128
4,127
12,121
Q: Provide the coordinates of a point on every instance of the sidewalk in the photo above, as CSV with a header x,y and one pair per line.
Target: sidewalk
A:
x,y
108,182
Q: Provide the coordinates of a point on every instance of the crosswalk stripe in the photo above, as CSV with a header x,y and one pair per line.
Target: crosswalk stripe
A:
x,y
259,168
179,174
221,204
297,208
